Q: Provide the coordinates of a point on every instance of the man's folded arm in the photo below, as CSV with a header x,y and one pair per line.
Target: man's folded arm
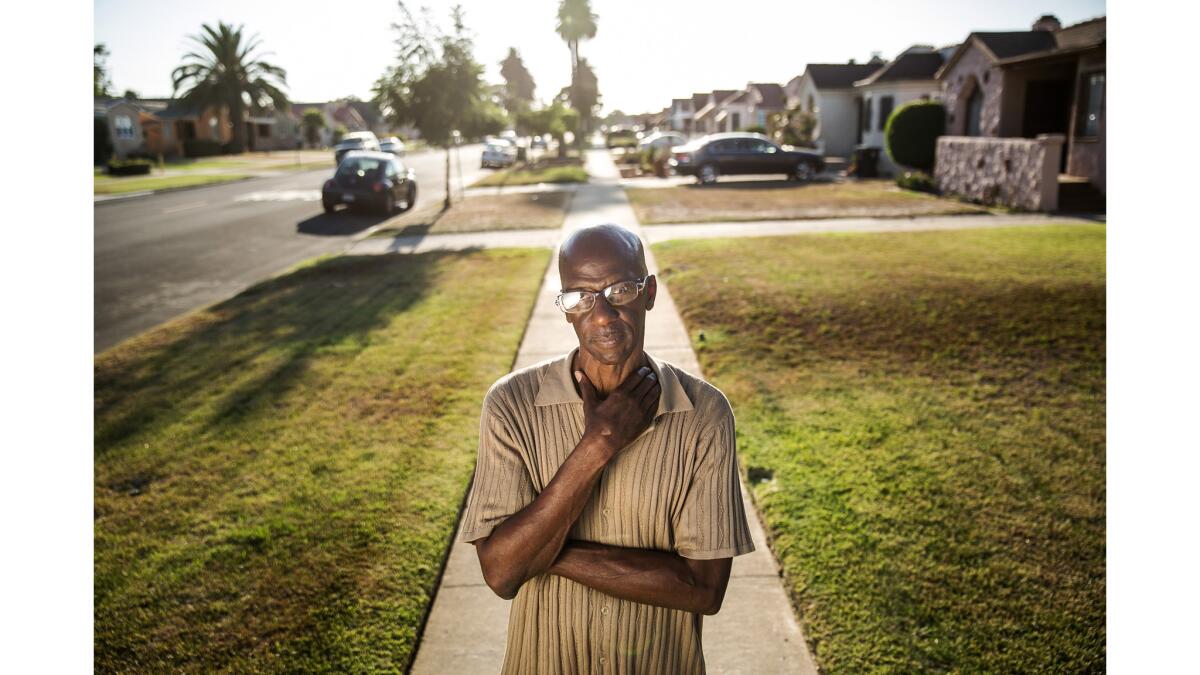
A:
x,y
651,577
526,543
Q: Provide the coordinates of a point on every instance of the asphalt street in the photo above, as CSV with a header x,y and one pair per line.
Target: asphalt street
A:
x,y
160,256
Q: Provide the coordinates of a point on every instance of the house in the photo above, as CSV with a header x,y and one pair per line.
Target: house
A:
x,y
704,120
750,107
826,90
680,116
163,126
1013,97
908,78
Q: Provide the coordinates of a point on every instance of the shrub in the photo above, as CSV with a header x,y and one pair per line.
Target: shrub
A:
x,y
201,147
756,129
910,135
129,167
918,181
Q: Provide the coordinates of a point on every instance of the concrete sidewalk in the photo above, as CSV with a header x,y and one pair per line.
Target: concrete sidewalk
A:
x,y
756,630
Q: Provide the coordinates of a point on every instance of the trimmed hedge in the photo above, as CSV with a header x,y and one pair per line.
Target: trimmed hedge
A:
x,y
129,167
910,135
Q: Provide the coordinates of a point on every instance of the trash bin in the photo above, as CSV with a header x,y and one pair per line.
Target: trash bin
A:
x,y
866,161
521,154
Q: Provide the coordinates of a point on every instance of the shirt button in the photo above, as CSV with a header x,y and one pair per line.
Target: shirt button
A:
x,y
604,610
603,660
608,512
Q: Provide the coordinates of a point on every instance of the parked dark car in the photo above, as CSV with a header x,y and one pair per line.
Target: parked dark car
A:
x,y
743,153
375,180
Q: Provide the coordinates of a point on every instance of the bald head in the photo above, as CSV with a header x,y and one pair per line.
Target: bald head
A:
x,y
604,245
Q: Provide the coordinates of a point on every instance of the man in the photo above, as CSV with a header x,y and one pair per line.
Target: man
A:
x,y
606,500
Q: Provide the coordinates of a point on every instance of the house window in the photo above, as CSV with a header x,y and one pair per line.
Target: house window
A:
x,y
885,109
866,114
264,130
737,122
124,126
812,106
1091,105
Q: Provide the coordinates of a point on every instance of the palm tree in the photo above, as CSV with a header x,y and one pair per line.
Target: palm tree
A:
x,y
575,22
226,75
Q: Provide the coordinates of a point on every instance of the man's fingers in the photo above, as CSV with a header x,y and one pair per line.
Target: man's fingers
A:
x,y
635,378
644,386
651,395
586,389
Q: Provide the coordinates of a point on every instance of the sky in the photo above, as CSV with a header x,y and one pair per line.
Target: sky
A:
x,y
645,53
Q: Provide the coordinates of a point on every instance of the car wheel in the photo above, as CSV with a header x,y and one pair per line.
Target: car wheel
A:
x,y
411,198
708,174
804,172
389,204
328,207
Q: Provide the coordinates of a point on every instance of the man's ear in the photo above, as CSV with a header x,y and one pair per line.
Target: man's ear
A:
x,y
651,292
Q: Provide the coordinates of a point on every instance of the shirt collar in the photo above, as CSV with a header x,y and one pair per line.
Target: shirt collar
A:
x,y
557,386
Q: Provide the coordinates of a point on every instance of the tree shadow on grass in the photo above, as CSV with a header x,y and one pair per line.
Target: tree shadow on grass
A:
x,y
258,342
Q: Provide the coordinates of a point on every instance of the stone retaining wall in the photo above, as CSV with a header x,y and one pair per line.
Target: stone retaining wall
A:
x,y
1020,173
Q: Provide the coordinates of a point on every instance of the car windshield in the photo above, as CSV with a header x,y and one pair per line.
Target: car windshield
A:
x,y
352,141
360,166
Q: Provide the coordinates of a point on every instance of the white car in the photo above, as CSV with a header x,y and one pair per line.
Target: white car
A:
x,y
498,153
393,145
355,140
660,140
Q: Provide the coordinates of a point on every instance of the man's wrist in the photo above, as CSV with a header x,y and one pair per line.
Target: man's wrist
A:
x,y
598,447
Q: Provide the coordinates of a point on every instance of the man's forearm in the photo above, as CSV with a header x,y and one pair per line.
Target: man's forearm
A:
x,y
647,576
528,542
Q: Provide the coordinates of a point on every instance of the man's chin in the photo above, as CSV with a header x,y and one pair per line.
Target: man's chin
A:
x,y
610,356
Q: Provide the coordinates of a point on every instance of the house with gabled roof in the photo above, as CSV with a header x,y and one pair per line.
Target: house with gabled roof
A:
x,y
826,90
704,121
1045,83
909,77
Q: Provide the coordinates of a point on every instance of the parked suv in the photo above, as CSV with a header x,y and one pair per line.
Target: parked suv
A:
x,y
743,153
355,140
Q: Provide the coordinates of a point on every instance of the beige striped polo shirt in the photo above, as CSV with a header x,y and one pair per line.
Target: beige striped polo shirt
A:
x,y
675,488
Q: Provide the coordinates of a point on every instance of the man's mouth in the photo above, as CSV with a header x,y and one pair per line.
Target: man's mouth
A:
x,y
608,339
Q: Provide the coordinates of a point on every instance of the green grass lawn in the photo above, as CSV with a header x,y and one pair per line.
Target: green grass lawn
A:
x,y
521,211
548,170
737,200
921,419
105,185
277,477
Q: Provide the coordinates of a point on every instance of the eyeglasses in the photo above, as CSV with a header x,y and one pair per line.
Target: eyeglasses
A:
x,y
620,293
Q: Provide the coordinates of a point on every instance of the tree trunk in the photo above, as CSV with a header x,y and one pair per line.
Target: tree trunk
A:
x,y
446,204
239,126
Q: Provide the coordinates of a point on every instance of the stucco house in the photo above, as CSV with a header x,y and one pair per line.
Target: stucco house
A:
x,y
162,126
827,91
704,121
911,76
680,116
747,108
1037,92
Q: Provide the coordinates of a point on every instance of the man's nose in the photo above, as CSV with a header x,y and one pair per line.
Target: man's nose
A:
x,y
602,312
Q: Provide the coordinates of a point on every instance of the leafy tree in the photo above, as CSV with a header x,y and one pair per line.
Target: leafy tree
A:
x,y
224,73
130,95
585,95
339,131
518,83
100,81
555,119
575,22
312,121
435,84
794,127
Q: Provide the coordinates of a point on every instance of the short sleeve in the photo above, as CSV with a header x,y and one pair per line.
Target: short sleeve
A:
x,y
502,485
712,522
